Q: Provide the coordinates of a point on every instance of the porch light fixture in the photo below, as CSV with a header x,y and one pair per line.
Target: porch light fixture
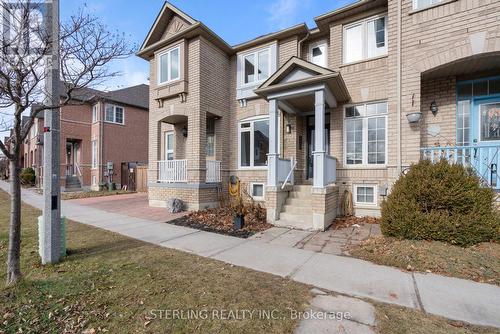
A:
x,y
434,108
184,131
414,117
288,128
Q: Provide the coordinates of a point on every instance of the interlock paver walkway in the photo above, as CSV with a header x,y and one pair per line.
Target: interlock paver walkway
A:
x,y
454,298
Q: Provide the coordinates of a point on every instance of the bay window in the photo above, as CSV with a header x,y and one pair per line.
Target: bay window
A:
x,y
365,134
169,65
253,143
365,39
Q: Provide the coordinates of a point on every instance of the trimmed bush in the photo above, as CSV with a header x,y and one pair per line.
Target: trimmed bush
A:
x,y
443,202
27,176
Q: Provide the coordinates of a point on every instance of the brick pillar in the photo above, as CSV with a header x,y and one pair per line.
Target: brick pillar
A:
x,y
195,150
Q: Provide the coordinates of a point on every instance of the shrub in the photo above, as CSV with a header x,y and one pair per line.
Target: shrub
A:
x,y
442,202
27,176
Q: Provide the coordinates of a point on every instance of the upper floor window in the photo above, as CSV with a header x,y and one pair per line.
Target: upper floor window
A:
x,y
94,113
169,65
365,39
318,53
419,4
256,66
365,128
114,114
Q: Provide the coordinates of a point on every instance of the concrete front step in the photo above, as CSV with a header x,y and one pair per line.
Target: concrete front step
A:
x,y
293,224
297,209
300,202
299,194
302,188
301,218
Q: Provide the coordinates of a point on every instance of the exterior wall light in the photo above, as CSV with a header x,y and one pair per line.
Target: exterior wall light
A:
x,y
184,131
434,108
288,128
414,117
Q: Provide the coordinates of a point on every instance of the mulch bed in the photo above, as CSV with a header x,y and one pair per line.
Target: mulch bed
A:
x,y
343,222
221,221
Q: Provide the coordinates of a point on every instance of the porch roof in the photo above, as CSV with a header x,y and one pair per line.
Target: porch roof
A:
x,y
296,73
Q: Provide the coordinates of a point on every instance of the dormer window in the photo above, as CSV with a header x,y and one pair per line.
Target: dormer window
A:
x,y
169,65
318,53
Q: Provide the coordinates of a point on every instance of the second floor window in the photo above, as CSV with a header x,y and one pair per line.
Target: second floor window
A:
x,y
256,67
317,53
114,114
94,113
365,39
419,4
169,65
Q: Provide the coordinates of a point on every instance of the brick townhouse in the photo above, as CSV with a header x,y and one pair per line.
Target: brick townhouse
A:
x,y
98,130
305,116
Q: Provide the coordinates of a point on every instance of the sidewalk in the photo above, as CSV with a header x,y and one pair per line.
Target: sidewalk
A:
x,y
452,298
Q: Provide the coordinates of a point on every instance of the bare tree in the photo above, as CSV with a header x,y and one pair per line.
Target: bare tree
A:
x,y
87,47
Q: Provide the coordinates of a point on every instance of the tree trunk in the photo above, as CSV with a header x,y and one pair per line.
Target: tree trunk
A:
x,y
14,252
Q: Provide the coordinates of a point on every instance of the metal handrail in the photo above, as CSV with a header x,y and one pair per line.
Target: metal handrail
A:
x,y
293,163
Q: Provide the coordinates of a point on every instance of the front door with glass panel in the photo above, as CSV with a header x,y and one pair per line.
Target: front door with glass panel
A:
x,y
310,143
486,121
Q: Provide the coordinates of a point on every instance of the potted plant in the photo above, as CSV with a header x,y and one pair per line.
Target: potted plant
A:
x,y
238,209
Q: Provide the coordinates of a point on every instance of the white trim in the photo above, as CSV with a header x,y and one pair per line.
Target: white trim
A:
x,y
364,118
319,43
114,106
479,125
257,81
94,154
434,3
365,185
95,113
364,22
258,198
250,120
168,52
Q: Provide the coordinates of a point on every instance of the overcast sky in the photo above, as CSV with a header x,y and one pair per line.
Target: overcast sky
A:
x,y
234,21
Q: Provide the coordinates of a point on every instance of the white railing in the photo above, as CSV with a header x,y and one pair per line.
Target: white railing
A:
x,y
484,159
289,177
213,171
284,168
172,171
330,169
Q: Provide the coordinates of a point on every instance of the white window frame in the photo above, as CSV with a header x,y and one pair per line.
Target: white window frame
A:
x,y
167,150
94,180
434,3
251,120
364,23
258,198
242,57
95,112
365,185
365,163
114,114
95,154
169,55
320,43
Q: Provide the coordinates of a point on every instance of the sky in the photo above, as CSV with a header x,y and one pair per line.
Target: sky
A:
x,y
235,21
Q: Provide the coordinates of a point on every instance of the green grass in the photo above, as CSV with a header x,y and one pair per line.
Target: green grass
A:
x,y
113,283
480,262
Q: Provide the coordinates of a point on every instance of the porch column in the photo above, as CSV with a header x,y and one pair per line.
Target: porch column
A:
x,y
272,156
319,139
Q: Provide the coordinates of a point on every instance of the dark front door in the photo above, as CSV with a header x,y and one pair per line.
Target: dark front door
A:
x,y
310,143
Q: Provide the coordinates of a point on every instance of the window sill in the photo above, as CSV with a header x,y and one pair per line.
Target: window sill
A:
x,y
368,206
415,11
114,123
345,166
365,60
252,168
168,83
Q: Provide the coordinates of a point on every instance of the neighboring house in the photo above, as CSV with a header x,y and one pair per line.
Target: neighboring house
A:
x,y
348,105
99,130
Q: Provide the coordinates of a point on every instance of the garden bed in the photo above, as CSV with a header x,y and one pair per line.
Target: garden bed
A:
x,y
221,221
480,263
88,194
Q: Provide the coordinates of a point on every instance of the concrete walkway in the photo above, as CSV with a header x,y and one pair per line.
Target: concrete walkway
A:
x,y
453,298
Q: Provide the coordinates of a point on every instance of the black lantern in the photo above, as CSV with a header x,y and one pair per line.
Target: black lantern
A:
x,y
434,108
184,131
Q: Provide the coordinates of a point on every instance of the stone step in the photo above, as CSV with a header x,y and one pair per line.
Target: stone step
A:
x,y
302,188
299,202
299,194
299,218
297,209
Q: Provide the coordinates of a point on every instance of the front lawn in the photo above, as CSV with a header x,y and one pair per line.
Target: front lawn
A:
x,y
479,263
113,283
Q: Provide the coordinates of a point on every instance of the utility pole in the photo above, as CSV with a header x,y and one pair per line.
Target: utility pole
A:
x,y
51,152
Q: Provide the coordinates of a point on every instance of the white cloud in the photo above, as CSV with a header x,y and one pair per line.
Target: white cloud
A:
x,y
283,13
134,71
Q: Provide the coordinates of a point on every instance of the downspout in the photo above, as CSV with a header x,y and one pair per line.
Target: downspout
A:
x,y
101,141
398,88
299,44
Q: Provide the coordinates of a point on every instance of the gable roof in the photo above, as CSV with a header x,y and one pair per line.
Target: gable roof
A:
x,y
306,73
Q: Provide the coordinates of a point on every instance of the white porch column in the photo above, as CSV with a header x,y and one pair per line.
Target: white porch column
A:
x,y
319,139
272,157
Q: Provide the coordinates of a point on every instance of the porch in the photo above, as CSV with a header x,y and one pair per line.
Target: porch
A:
x,y
176,171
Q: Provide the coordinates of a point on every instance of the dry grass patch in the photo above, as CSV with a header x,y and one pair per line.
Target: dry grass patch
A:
x,y
480,263
112,283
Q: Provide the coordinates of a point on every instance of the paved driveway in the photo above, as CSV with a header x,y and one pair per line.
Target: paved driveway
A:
x,y
132,205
